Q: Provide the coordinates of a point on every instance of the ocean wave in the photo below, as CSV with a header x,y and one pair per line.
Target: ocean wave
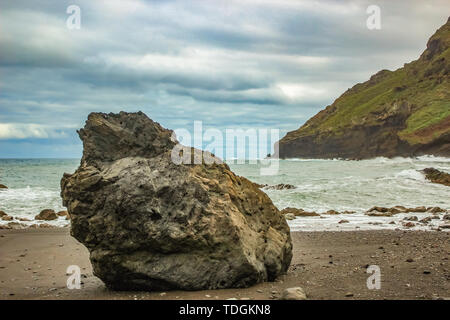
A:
x,y
411,174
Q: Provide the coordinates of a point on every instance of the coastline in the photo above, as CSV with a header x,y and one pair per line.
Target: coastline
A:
x,y
326,264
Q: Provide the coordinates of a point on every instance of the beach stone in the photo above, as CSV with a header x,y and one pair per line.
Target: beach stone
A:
x,y
425,220
379,209
436,210
446,217
296,293
413,218
374,213
46,214
3,213
17,225
344,221
437,176
299,212
417,209
401,208
333,212
62,213
152,224
281,186
7,218
395,210
45,226
409,224
2,186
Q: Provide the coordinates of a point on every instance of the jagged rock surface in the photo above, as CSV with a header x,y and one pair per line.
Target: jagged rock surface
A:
x,y
151,224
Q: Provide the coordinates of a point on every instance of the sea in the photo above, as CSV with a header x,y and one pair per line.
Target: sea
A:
x,y
320,185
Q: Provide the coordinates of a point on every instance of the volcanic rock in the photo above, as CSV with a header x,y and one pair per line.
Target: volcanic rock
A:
x,y
299,212
281,186
46,214
437,176
152,222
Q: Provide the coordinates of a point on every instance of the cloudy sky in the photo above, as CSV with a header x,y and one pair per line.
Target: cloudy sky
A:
x,y
231,64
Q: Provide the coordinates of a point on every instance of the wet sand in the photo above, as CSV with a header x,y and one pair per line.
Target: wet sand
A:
x,y
327,265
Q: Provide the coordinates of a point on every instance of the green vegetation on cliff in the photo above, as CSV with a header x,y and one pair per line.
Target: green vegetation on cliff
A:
x,y
419,91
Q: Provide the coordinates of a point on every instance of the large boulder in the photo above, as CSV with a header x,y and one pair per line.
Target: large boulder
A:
x,y
152,224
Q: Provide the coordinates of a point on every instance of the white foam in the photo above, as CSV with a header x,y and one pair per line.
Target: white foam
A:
x,y
360,221
411,174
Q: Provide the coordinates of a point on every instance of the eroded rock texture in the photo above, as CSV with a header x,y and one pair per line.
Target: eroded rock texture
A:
x,y
151,224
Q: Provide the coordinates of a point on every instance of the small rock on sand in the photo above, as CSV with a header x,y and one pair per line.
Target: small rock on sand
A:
x,y
7,218
47,215
3,213
409,224
349,294
2,186
295,293
16,225
344,221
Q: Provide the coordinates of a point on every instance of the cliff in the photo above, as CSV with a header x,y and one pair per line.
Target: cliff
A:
x,y
395,113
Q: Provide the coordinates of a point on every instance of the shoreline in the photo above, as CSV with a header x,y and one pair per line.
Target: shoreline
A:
x,y
326,264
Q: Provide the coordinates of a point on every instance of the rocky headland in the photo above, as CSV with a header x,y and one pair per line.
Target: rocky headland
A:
x,y
405,112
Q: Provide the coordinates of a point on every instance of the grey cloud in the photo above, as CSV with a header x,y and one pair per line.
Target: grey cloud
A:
x,y
224,62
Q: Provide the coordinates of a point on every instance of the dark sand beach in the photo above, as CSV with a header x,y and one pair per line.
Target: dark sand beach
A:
x,y
327,265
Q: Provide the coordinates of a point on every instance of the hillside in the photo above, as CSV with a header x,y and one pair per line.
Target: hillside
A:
x,y
395,113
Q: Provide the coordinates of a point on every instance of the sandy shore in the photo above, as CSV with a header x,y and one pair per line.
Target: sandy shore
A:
x,y
328,265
